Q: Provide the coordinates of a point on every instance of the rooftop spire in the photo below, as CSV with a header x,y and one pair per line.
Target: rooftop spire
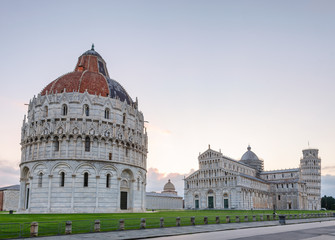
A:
x,y
249,148
92,47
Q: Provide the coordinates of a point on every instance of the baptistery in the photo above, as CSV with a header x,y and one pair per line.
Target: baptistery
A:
x,y
83,145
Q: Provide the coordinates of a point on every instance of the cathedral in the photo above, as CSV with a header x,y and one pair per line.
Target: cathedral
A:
x,y
224,183
83,145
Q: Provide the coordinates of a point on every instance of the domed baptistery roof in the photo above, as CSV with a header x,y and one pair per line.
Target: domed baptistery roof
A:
x,y
251,159
84,145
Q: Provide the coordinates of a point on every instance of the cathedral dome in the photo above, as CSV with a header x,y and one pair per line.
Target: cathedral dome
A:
x,y
251,159
169,186
90,75
249,155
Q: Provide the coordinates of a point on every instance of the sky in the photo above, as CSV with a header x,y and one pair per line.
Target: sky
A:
x,y
224,73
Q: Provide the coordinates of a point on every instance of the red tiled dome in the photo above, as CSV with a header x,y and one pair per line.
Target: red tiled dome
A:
x,y
93,82
89,74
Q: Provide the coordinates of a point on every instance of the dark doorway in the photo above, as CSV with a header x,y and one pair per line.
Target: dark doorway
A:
x,y
124,200
289,205
210,202
196,203
225,203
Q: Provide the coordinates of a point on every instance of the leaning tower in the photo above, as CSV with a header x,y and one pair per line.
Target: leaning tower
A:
x,y
310,165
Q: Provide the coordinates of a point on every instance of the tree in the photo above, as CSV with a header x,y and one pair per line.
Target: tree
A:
x,y
328,202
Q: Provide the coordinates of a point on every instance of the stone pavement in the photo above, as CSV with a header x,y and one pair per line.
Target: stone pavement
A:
x,y
174,231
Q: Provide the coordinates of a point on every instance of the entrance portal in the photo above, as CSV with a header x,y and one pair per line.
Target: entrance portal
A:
x,y
124,201
225,203
196,203
210,202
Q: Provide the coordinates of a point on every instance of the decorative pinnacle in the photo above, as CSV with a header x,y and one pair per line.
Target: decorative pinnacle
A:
x,y
92,47
249,148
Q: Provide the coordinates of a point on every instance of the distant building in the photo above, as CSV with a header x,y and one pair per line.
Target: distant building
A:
x,y
224,183
9,198
167,199
83,145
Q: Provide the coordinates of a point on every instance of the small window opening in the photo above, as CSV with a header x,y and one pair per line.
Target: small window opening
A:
x,y
85,179
46,111
86,110
62,179
124,118
56,144
87,144
278,197
106,113
40,177
110,156
108,180
64,110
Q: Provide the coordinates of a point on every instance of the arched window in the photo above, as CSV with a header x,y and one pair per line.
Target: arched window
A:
x,y
40,177
64,110
86,110
85,179
87,144
46,111
56,144
110,156
108,178
107,113
62,179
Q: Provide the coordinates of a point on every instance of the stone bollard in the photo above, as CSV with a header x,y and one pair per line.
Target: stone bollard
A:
x,y
161,224
121,224
237,219
282,219
274,216
261,217
304,215
68,227
227,219
246,219
97,226
254,218
291,216
143,224
205,220
299,215
217,219
268,217
34,229
178,221
295,215
192,221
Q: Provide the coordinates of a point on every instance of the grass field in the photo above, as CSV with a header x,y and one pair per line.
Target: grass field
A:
x,y
18,225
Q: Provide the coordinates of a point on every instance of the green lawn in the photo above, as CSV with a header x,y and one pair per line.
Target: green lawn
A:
x,y
16,225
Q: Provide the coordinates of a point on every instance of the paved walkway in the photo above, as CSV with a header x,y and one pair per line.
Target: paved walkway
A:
x,y
174,231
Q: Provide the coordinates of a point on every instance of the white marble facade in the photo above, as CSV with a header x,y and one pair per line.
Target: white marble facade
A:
x,y
225,183
83,151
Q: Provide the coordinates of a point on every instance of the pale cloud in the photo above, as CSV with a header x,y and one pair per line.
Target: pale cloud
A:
x,y
154,128
328,170
157,180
